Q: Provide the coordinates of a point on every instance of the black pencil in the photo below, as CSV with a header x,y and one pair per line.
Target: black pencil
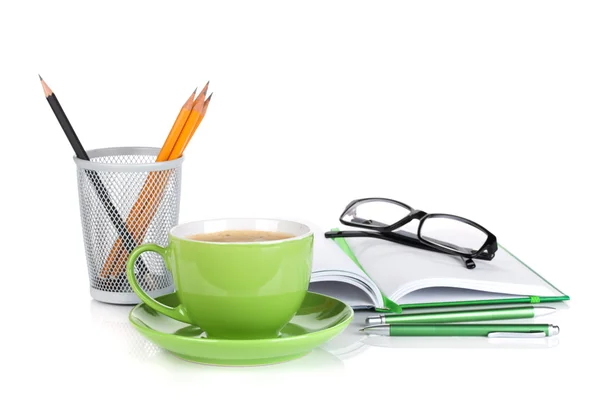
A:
x,y
101,190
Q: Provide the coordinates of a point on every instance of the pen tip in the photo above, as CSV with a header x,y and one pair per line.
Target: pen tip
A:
x,y
361,330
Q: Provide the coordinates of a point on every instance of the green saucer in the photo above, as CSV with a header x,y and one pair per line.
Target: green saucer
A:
x,y
319,319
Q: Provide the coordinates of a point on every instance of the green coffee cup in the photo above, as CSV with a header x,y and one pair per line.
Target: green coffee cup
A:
x,y
239,290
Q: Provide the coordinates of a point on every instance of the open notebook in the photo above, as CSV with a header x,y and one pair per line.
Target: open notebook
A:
x,y
367,272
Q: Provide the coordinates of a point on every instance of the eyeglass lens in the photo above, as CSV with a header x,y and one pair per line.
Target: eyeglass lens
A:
x,y
452,234
378,213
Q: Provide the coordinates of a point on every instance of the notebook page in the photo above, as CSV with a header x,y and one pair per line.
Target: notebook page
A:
x,y
399,270
447,294
329,257
335,274
348,293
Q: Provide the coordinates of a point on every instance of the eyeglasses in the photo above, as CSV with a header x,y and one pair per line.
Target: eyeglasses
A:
x,y
443,233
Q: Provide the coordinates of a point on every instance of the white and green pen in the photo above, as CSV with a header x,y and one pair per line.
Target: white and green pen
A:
x,y
489,314
489,330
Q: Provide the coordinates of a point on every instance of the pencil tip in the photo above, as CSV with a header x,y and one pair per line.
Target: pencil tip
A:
x,y
194,92
208,99
362,329
47,90
41,79
205,88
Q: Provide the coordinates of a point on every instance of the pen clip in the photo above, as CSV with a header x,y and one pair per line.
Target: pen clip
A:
x,y
516,334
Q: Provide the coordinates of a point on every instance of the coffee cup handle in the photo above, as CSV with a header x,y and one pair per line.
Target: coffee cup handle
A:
x,y
179,313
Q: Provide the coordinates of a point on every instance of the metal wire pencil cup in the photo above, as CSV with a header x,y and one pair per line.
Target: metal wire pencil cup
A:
x,y
123,173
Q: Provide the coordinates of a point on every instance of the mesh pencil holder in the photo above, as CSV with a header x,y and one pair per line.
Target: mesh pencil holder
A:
x,y
126,199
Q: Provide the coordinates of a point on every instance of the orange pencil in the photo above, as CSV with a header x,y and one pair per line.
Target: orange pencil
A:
x,y
206,103
140,217
144,220
138,207
186,134
163,155
199,100
202,96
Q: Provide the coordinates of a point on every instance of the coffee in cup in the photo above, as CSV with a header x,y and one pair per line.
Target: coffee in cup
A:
x,y
240,236
235,278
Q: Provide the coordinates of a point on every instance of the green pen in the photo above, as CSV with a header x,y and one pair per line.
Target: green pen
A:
x,y
490,314
489,330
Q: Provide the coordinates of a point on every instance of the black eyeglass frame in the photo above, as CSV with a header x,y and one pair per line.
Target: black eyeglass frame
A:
x,y
485,252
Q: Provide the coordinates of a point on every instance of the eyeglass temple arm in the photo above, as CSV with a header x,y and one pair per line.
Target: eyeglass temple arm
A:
x,y
405,238
395,237
486,255
412,238
450,245
368,222
438,242
469,263
407,234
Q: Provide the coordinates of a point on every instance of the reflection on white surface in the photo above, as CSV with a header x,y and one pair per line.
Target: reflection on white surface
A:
x,y
460,342
114,336
114,339
318,359
115,333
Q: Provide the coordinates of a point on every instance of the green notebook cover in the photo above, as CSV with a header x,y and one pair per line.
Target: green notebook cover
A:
x,y
397,308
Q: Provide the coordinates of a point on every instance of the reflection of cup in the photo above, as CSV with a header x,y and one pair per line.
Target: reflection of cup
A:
x,y
113,333
234,290
350,342
318,360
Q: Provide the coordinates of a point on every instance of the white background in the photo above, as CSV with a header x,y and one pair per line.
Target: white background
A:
x,y
487,110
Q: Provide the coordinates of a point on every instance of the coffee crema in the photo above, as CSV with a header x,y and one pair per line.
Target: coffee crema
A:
x,y
240,236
